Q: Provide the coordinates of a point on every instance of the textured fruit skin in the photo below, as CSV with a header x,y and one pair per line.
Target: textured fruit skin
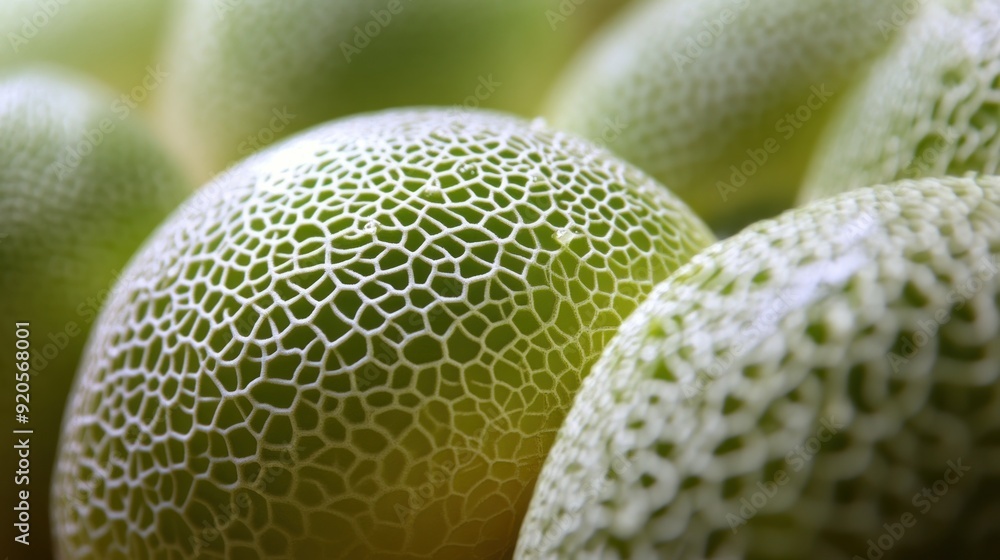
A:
x,y
113,40
784,349
359,343
244,75
685,111
927,108
65,231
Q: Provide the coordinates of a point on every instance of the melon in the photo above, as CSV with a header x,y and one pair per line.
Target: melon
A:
x,y
928,108
80,188
359,343
244,73
114,40
721,100
819,382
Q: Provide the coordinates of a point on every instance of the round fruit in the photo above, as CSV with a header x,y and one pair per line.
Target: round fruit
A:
x,y
360,343
795,392
80,188
245,72
720,100
928,108
114,40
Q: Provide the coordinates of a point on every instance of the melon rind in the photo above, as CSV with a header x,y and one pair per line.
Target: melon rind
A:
x,y
852,345
244,73
930,107
721,100
359,343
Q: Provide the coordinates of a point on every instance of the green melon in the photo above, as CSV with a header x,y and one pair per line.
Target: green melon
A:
x,y
929,108
795,390
359,343
114,40
721,100
245,72
75,202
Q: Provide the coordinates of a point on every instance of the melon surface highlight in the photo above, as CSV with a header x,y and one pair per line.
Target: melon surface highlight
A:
x,y
823,367
929,108
246,73
74,205
359,343
691,91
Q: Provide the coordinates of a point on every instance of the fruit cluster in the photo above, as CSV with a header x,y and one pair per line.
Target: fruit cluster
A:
x,y
453,286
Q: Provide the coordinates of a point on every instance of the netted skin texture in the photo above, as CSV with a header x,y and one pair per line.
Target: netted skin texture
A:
x,y
359,343
65,231
929,108
793,389
246,72
114,40
685,89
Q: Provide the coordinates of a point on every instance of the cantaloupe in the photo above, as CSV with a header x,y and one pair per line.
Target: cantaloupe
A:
x,y
722,100
929,108
81,185
247,72
116,41
817,383
359,343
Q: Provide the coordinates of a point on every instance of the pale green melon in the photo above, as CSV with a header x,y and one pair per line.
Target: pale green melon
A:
x,y
75,202
929,108
114,40
792,391
721,100
359,343
245,72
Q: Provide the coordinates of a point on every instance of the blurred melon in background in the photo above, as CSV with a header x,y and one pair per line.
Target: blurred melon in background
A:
x,y
113,40
929,108
82,182
722,100
247,72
